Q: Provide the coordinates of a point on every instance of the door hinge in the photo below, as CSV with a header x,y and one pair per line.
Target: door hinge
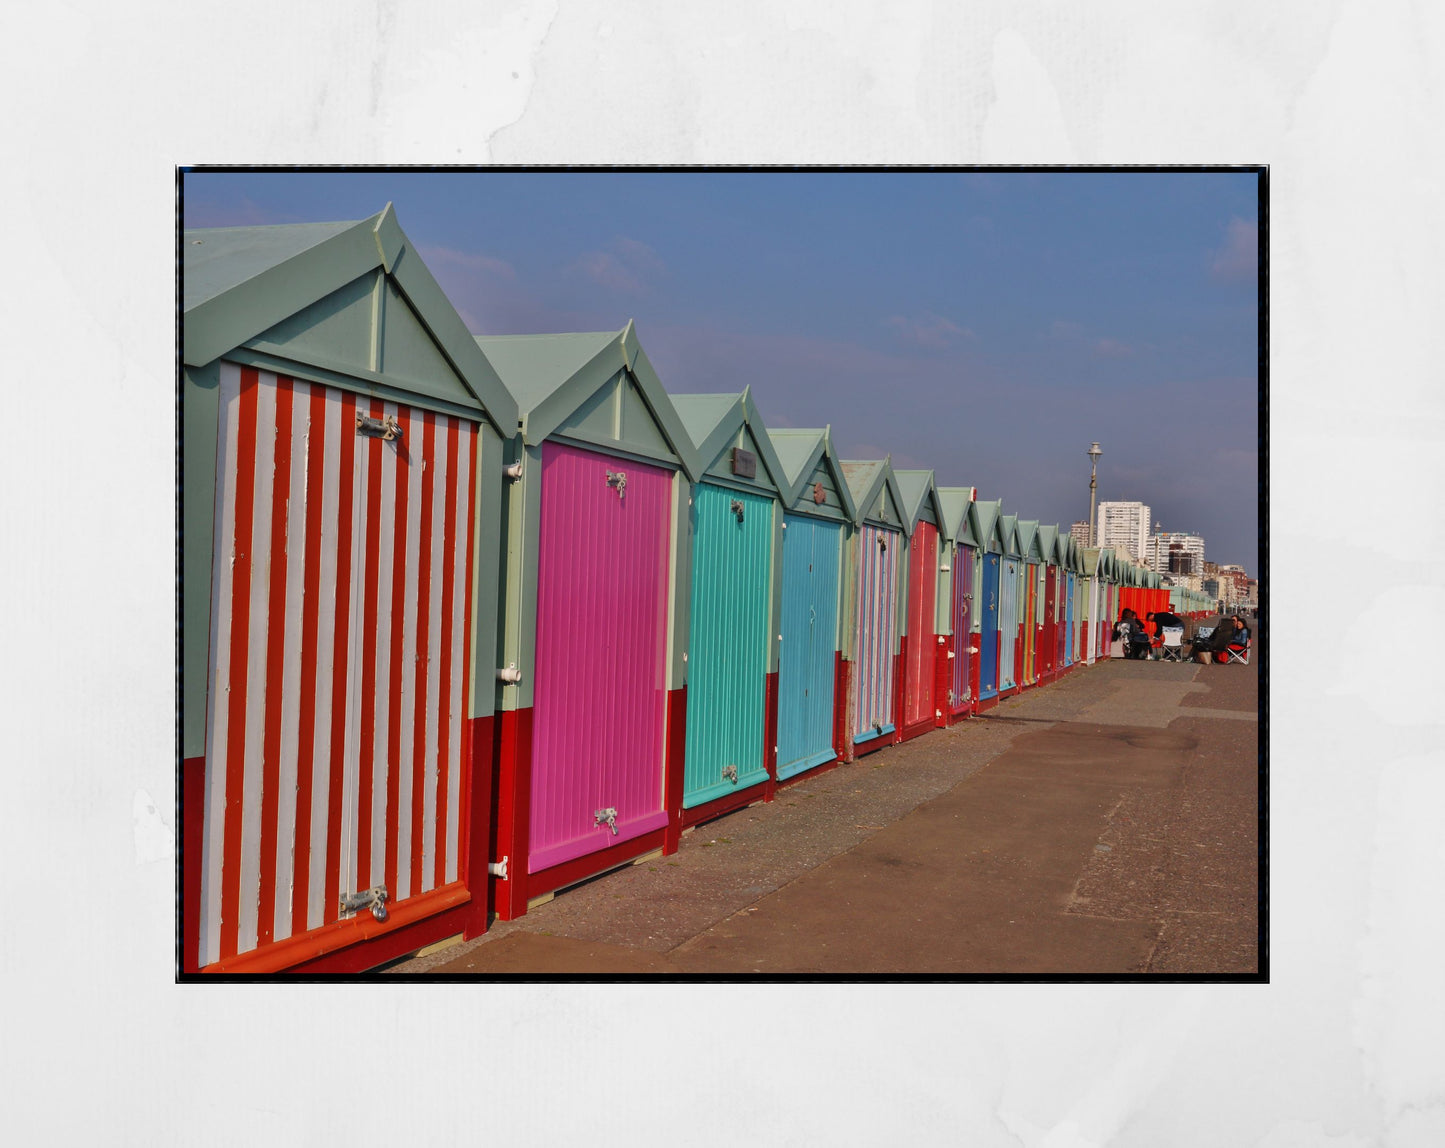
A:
x,y
374,899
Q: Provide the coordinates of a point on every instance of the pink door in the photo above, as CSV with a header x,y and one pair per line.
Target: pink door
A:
x,y
600,679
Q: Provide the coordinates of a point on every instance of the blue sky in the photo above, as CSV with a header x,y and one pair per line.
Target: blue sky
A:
x,y
989,325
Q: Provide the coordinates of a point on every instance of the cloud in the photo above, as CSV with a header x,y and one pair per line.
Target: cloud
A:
x,y
468,261
1112,349
1238,260
623,265
928,330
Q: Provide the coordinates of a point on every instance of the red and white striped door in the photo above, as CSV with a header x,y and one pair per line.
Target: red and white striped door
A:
x,y
339,653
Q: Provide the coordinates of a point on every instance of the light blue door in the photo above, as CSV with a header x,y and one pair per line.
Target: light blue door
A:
x,y
1070,653
1008,622
806,656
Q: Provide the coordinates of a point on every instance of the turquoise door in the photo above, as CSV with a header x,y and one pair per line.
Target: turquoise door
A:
x,y
732,563
811,549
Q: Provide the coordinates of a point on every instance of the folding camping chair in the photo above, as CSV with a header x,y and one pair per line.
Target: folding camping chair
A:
x,y
1241,657
1171,648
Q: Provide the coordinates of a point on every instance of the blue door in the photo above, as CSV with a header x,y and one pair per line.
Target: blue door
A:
x,y
988,619
811,549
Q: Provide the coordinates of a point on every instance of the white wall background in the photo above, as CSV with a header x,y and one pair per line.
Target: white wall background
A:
x,y
1341,97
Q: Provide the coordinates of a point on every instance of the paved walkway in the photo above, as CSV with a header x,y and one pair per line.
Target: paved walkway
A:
x,y
1103,824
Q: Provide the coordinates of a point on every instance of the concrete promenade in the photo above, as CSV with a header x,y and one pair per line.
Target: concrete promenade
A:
x,y
1105,824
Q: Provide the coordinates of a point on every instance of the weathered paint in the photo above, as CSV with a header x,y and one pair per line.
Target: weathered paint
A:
x,y
877,594
918,705
963,564
989,628
339,620
600,674
812,548
728,647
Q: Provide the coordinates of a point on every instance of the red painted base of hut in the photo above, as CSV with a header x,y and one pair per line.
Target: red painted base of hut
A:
x,y
511,834
841,670
758,791
942,679
361,942
926,723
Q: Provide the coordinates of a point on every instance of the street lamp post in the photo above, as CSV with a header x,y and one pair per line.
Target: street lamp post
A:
x,y
1094,452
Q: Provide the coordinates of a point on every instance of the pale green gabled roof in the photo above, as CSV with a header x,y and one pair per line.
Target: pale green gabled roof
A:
x,y
535,367
866,478
552,376
701,414
217,259
1048,544
238,283
1029,537
985,520
1009,528
1091,556
918,487
712,422
955,501
799,450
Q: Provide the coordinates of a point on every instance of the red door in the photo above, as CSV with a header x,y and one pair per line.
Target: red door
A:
x,y
922,636
1049,638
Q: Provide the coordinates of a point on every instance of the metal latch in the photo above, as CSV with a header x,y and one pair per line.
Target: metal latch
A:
x,y
737,508
607,817
387,428
618,478
373,899
731,773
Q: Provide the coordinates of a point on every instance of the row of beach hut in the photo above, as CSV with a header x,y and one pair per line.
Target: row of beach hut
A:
x,y
467,620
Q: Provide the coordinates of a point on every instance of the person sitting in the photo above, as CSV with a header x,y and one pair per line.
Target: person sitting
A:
x,y
1132,633
1239,640
1203,651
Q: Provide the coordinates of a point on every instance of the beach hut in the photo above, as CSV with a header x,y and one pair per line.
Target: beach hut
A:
x,y
1060,570
1010,612
989,532
736,526
596,516
920,642
1031,555
342,441
1071,599
1095,604
817,521
1048,632
873,568
960,550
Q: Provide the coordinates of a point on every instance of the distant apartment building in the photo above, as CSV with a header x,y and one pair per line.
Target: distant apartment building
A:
x,y
1079,532
1124,526
1174,553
